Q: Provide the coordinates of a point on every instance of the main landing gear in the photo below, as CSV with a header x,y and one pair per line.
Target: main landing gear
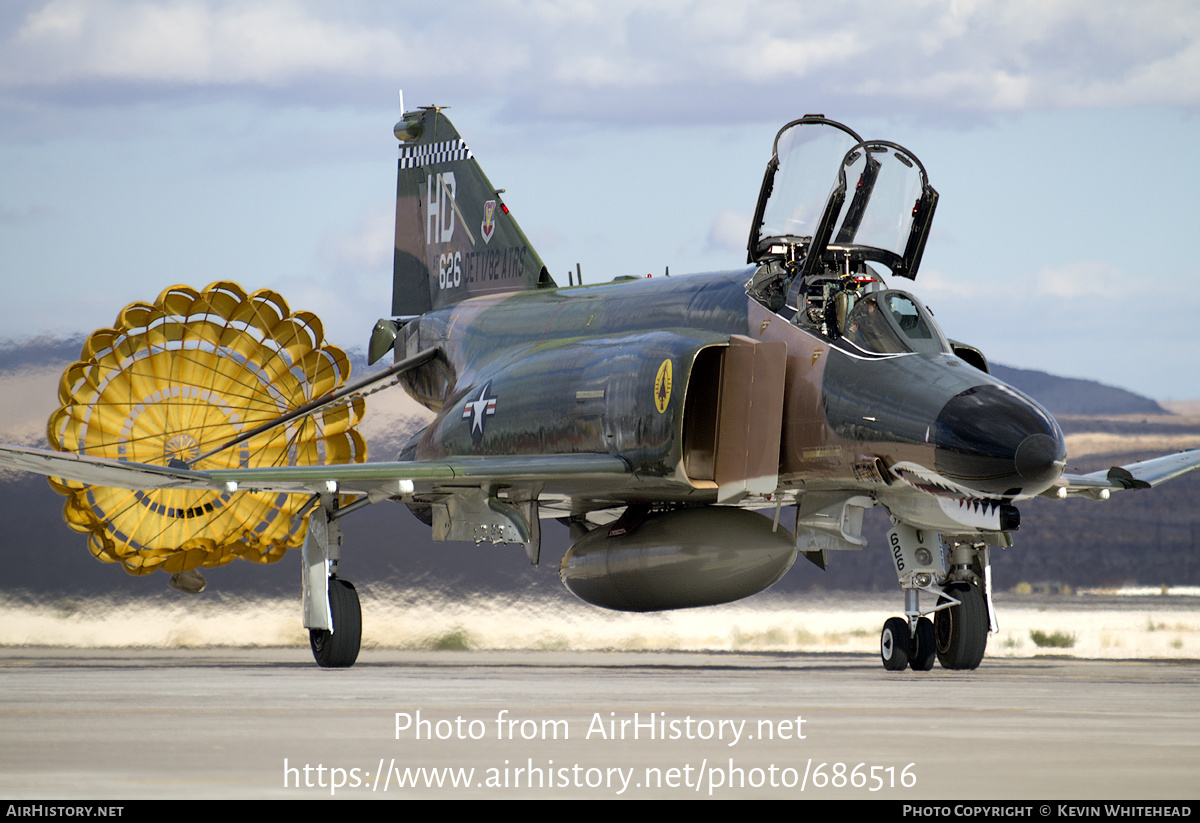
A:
x,y
332,613
338,648
957,634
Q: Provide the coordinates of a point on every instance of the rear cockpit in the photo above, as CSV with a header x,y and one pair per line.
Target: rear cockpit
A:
x,y
817,245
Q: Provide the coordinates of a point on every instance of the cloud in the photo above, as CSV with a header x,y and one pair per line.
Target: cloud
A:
x,y
548,239
30,395
936,285
189,43
353,281
26,215
367,247
729,231
1082,279
1083,318
593,60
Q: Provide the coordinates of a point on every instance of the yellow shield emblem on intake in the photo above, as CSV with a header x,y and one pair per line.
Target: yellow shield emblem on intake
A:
x,y
662,387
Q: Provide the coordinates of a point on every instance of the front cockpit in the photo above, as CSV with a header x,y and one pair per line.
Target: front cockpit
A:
x,y
818,245
893,322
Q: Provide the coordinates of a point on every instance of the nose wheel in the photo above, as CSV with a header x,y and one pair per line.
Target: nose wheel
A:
x,y
923,651
893,644
902,647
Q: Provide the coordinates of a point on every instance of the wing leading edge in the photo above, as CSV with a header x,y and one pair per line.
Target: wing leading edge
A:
x,y
1144,474
372,479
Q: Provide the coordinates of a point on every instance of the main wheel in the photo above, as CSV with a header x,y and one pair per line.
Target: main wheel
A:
x,y
893,644
339,648
923,650
961,631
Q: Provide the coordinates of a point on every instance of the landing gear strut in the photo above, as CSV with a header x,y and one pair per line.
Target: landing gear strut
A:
x,y
332,613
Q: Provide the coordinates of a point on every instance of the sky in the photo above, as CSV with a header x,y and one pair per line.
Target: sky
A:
x,y
145,144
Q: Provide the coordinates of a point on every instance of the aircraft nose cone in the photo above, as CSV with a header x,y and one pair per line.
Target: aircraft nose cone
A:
x,y
998,442
1039,459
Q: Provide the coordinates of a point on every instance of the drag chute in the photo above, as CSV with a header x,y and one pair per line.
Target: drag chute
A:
x,y
178,382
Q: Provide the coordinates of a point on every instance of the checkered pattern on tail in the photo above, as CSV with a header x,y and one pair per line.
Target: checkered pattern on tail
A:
x,y
412,157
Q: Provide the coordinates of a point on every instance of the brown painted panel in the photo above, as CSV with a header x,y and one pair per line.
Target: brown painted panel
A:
x,y
751,415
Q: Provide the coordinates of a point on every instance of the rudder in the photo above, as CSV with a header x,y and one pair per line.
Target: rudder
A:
x,y
455,238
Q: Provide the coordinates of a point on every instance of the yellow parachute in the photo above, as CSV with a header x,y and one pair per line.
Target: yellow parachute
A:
x,y
181,377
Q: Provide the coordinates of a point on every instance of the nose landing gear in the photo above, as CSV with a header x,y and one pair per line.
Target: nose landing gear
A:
x,y
957,635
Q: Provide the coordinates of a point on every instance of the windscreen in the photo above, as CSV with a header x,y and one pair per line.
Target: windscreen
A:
x,y
892,322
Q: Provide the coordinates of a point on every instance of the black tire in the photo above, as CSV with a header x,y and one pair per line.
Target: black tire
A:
x,y
893,644
961,631
923,650
339,649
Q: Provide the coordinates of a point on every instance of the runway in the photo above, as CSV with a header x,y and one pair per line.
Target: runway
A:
x,y
265,723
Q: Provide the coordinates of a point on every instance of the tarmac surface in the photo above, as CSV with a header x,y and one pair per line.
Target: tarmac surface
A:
x,y
266,723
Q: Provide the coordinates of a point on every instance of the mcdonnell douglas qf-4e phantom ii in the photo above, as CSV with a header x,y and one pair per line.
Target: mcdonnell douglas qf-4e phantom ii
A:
x,y
653,416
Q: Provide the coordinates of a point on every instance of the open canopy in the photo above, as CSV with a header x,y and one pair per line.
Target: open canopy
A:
x,y
879,207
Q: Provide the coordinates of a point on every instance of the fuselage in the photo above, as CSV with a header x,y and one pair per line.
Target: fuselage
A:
x,y
576,370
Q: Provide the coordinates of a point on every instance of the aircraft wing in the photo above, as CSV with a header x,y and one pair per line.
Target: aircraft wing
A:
x,y
352,478
1141,475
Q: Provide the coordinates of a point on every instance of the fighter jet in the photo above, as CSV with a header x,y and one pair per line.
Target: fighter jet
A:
x,y
666,421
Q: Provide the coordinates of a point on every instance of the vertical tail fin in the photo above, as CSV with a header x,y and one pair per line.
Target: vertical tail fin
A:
x,y
455,237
